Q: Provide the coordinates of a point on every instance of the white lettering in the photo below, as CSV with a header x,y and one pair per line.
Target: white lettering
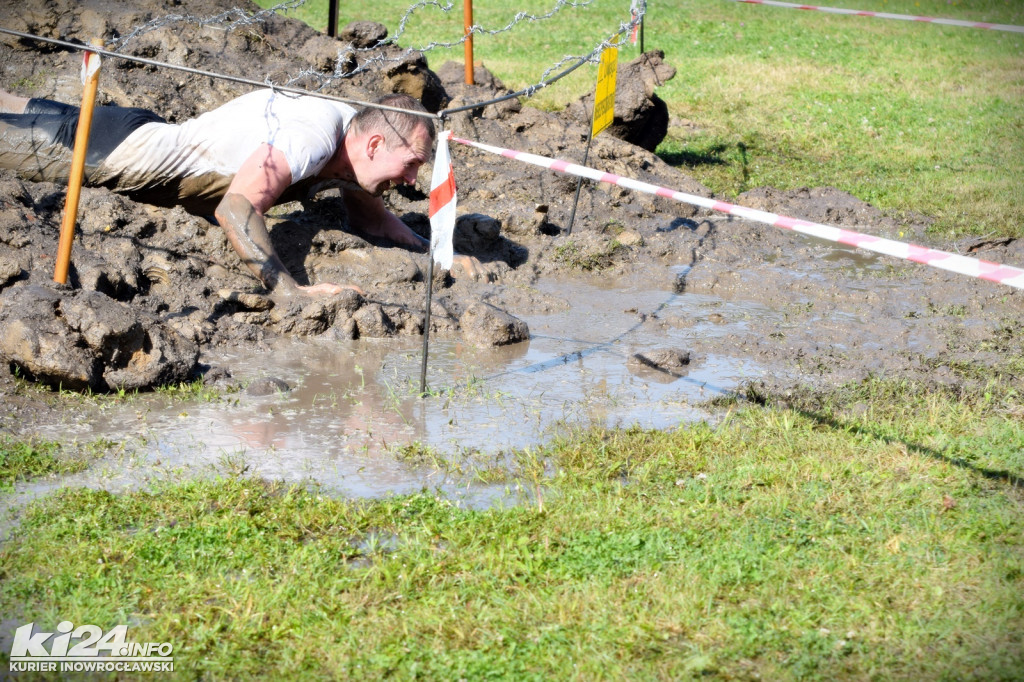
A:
x,y
89,634
124,656
28,644
33,667
60,644
113,641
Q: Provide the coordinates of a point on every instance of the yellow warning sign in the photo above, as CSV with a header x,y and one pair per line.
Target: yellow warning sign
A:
x,y
604,101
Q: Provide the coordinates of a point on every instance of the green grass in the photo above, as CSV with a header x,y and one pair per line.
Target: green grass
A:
x,y
911,117
876,534
22,460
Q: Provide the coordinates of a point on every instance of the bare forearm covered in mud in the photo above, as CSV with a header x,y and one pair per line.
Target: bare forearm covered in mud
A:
x,y
247,231
369,215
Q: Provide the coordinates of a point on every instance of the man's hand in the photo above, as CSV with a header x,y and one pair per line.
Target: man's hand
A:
x,y
327,289
473,268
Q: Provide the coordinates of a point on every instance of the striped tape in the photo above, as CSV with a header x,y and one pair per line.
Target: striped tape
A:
x,y
887,15
964,265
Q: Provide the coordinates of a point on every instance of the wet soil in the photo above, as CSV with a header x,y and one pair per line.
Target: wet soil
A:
x,y
657,299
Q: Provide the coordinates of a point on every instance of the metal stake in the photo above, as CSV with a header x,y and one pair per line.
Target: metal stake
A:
x,y
579,181
426,326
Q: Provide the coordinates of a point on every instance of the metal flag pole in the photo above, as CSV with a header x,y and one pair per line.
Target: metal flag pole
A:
x,y
426,325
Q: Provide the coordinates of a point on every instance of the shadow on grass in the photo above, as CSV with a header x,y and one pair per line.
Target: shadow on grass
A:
x,y
712,156
1016,480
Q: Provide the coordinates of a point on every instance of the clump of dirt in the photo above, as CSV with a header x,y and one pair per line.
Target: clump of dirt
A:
x,y
171,275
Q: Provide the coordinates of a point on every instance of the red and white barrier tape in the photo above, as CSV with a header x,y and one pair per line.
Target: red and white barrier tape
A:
x,y
964,265
887,15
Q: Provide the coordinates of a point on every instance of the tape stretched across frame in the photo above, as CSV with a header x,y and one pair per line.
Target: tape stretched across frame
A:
x,y
887,15
964,265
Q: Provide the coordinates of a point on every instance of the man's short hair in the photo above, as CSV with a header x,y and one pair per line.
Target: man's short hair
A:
x,y
396,126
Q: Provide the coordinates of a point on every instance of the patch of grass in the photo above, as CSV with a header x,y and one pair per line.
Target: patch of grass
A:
x,y
196,390
466,465
874,532
22,460
908,116
578,257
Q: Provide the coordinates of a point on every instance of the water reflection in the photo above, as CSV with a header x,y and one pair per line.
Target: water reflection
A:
x,y
354,404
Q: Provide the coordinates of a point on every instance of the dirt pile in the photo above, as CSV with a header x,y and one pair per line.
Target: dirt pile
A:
x,y
167,285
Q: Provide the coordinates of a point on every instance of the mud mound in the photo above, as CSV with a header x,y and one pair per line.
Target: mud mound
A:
x,y
830,206
86,340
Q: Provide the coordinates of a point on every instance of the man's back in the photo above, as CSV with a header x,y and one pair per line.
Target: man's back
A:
x,y
192,164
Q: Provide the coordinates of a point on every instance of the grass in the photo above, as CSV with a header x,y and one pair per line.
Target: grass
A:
x,y
22,460
579,257
917,119
873,534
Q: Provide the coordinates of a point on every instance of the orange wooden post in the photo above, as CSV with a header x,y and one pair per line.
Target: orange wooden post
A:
x,y
91,76
467,20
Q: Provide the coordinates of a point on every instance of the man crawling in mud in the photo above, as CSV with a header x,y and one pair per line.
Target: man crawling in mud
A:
x,y
258,150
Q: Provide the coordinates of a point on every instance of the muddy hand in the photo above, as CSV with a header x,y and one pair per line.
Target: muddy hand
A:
x,y
472,267
328,289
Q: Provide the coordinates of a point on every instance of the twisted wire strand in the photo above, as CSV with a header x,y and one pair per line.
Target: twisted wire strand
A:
x,y
210,74
239,18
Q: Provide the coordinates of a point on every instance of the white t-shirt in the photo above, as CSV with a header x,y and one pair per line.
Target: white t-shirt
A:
x,y
305,129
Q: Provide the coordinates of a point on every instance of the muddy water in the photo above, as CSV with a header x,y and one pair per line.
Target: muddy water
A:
x,y
352,405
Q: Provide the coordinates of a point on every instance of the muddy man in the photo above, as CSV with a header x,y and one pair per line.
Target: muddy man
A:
x,y
261,149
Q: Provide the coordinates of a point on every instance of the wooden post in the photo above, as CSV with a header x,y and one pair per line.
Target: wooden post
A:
x,y
91,77
467,20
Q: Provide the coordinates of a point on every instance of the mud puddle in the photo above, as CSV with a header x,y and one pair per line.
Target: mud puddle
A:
x,y
351,407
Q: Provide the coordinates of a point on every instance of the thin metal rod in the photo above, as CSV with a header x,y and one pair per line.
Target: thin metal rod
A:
x,y
642,29
426,326
579,181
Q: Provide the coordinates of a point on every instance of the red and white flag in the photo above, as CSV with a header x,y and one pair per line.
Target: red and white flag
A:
x,y
90,65
442,205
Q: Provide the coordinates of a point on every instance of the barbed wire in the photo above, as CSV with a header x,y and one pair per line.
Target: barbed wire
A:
x,y
349,54
529,91
239,18
346,55
473,30
210,74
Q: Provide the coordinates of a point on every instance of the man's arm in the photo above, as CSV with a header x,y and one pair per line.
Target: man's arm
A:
x,y
369,214
263,177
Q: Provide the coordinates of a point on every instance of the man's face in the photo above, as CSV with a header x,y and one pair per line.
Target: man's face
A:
x,y
392,167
